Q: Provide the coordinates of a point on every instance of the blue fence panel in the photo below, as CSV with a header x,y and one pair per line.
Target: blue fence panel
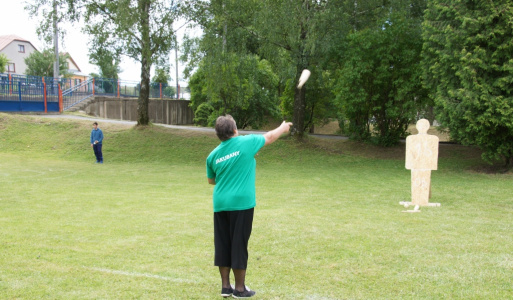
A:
x,y
27,93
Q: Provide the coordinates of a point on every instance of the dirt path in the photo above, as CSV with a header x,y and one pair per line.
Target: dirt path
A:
x,y
185,127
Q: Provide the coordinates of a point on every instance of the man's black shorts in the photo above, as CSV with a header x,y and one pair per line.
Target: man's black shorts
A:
x,y
232,230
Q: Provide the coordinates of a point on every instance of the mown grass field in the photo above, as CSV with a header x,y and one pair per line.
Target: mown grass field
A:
x,y
327,223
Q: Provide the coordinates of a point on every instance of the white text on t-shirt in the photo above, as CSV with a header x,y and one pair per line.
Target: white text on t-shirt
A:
x,y
226,157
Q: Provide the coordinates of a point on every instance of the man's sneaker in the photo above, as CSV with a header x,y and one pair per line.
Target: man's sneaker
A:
x,y
227,292
246,294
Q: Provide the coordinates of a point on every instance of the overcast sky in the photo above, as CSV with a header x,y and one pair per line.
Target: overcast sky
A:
x,y
15,20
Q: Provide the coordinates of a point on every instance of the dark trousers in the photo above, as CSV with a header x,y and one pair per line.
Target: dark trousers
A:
x,y
98,152
232,230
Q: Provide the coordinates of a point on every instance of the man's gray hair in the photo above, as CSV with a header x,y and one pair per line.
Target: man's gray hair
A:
x,y
225,127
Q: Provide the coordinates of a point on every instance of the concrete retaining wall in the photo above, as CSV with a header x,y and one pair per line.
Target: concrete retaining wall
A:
x,y
173,112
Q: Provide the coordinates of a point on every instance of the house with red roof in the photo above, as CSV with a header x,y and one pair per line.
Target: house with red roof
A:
x,y
76,74
16,49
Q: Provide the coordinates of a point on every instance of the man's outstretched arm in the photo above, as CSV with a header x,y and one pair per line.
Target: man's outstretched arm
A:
x,y
273,135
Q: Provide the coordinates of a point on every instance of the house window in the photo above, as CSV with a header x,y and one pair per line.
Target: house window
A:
x,y
11,68
21,48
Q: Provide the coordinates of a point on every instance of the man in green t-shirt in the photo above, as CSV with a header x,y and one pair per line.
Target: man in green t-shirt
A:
x,y
231,168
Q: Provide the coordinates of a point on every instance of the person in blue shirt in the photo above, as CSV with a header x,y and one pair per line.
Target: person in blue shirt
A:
x,y
96,142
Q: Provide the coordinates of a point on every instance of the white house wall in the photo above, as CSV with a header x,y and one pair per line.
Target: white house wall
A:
x,y
16,57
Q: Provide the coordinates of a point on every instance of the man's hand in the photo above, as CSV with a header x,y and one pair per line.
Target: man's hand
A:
x,y
285,126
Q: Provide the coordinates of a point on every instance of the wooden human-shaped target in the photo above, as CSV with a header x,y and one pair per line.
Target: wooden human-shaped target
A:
x,y
421,158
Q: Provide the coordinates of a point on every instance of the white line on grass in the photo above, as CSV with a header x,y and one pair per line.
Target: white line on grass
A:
x,y
136,274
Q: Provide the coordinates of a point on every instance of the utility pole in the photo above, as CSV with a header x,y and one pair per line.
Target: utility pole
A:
x,y
176,59
55,42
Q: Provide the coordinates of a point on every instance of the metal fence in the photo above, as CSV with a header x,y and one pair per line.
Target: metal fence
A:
x,y
115,88
77,94
29,93
34,93
100,87
124,88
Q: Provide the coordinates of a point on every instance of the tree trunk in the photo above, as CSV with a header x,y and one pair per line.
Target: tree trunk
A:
x,y
298,117
146,62
144,95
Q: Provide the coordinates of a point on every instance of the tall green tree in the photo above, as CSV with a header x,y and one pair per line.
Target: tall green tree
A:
x,y
161,80
41,63
469,71
230,76
139,29
51,13
3,62
243,86
299,32
162,75
291,35
379,87
46,11
107,61
375,68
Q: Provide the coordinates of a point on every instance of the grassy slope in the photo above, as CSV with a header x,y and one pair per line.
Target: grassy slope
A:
x,y
327,225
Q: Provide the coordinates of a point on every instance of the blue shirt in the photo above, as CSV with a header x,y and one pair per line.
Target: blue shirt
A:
x,y
96,135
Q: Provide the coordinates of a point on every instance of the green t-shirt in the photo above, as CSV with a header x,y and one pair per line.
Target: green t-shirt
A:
x,y
233,166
